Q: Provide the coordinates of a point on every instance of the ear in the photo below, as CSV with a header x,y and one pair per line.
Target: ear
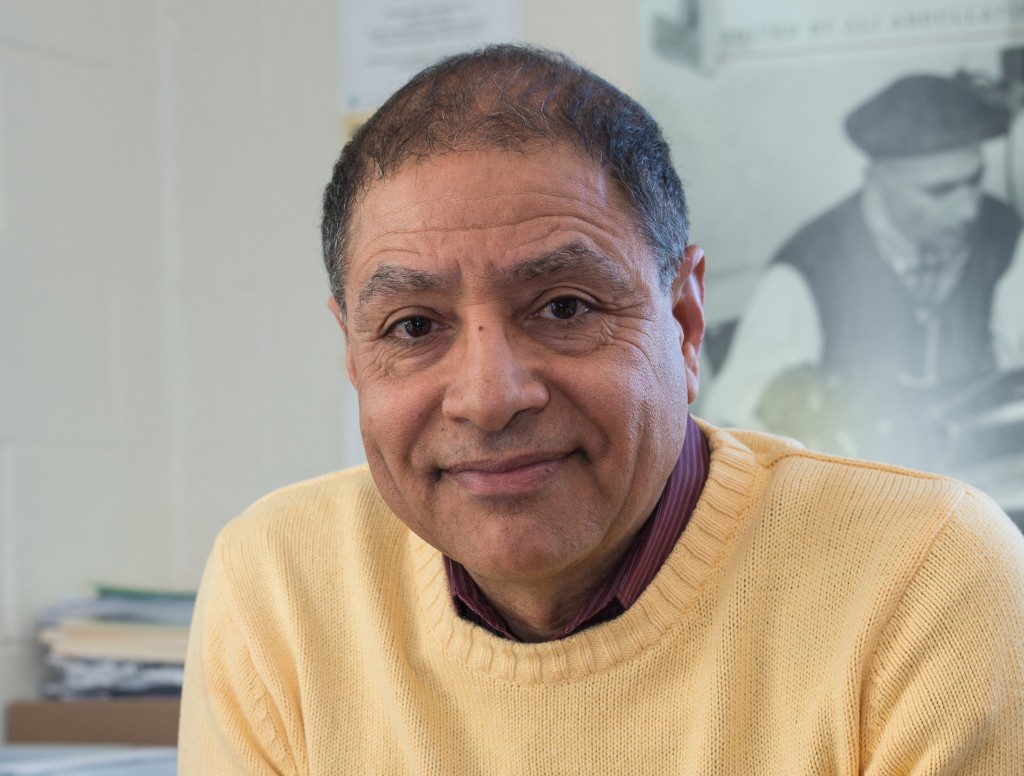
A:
x,y
688,311
879,172
339,316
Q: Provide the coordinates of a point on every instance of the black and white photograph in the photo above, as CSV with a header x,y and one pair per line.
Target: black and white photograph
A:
x,y
872,266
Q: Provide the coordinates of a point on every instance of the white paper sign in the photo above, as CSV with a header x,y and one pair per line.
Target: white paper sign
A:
x,y
712,32
385,42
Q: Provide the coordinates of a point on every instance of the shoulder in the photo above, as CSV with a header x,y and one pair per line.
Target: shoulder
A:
x,y
290,532
948,664
824,230
797,469
998,215
996,231
331,502
915,578
979,554
284,565
874,513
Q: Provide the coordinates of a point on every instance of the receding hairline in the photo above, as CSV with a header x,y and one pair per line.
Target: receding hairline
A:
x,y
513,98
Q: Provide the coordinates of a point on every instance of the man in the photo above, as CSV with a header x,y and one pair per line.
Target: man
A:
x,y
548,565
874,319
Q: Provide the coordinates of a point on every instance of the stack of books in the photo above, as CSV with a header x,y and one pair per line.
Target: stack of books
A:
x,y
116,642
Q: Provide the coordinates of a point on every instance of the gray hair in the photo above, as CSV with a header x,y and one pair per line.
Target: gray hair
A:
x,y
511,97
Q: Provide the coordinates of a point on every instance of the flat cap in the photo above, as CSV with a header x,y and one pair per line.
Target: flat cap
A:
x,y
925,114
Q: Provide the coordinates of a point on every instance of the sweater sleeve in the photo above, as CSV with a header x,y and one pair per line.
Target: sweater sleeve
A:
x,y
229,721
946,691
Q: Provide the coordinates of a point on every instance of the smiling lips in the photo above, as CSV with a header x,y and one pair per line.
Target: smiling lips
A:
x,y
508,476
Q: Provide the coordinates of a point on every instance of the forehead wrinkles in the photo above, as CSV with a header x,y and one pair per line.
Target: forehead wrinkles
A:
x,y
470,213
481,206
408,236
445,185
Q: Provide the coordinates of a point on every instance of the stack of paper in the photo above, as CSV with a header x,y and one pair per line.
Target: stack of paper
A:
x,y
141,642
117,642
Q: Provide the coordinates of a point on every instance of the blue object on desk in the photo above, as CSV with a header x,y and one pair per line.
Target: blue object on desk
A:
x,y
30,760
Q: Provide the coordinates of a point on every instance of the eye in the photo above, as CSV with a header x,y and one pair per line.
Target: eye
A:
x,y
413,328
942,189
564,308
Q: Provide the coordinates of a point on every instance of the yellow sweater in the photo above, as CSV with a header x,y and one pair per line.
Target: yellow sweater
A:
x,y
817,616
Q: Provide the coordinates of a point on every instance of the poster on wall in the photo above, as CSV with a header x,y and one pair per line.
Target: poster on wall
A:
x,y
382,44
854,175
711,33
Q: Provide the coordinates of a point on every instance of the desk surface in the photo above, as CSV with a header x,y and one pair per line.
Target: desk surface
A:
x,y
26,760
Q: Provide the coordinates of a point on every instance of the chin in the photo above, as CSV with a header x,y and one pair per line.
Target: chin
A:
x,y
519,563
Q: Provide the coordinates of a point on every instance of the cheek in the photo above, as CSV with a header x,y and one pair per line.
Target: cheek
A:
x,y
397,425
919,212
391,416
640,400
391,431
661,389
384,424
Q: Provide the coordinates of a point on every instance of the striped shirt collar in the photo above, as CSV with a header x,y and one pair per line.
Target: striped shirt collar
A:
x,y
634,571
929,274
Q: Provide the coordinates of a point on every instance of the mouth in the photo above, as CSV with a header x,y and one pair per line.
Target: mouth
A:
x,y
516,475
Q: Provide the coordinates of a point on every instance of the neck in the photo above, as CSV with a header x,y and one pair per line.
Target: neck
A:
x,y
539,608
537,612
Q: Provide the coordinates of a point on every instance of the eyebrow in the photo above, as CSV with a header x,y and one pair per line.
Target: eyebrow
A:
x,y
397,279
390,279
573,257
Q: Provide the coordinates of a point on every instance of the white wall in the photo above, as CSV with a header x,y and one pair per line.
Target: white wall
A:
x,y
84,377
166,355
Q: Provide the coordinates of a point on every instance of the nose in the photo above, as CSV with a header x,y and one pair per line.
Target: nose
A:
x,y
492,378
964,205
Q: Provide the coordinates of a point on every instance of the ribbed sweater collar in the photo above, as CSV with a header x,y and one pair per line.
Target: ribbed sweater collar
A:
x,y
700,550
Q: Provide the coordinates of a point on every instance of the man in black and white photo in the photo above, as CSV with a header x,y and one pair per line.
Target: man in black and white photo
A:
x,y
874,320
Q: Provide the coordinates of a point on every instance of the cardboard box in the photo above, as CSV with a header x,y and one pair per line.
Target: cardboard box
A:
x,y
141,721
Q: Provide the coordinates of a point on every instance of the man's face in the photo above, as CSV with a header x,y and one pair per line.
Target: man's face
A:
x,y
523,378
933,198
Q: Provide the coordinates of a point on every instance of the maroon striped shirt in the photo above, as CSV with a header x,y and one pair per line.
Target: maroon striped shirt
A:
x,y
634,571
